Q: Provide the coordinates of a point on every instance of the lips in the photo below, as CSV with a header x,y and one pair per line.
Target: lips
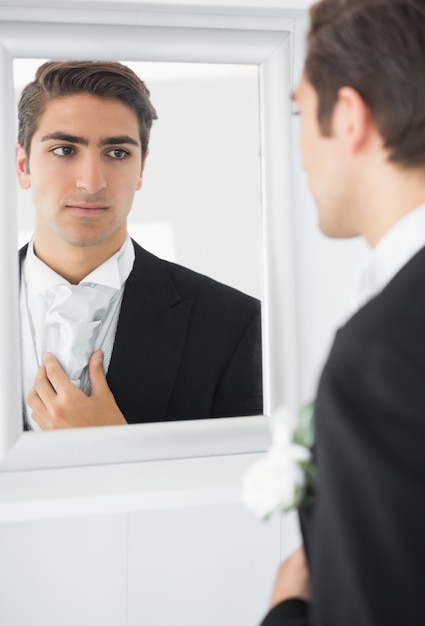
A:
x,y
87,209
81,205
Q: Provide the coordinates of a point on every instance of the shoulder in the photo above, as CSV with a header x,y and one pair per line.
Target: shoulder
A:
x,y
192,285
398,311
377,358
375,370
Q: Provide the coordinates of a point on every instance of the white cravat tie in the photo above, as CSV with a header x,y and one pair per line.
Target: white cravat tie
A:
x,y
73,321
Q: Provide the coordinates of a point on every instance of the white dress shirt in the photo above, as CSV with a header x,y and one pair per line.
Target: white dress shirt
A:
x,y
37,278
389,256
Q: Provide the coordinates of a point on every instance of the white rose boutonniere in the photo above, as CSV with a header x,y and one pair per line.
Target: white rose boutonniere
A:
x,y
285,478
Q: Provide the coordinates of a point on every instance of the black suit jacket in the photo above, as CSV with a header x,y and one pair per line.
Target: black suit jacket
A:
x,y
186,346
365,533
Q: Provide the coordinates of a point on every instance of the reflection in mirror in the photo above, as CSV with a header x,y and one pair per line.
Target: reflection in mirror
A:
x,y
200,202
199,207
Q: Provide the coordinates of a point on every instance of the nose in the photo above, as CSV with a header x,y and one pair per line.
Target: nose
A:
x,y
90,175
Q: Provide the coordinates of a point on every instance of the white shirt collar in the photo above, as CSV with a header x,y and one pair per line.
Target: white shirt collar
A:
x,y
112,273
391,253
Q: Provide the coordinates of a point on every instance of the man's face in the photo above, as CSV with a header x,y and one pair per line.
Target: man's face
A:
x,y
84,168
325,165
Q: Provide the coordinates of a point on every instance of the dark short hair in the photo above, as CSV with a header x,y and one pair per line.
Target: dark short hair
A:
x,y
58,79
377,47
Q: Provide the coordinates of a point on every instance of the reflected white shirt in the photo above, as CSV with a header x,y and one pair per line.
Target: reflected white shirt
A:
x,y
37,277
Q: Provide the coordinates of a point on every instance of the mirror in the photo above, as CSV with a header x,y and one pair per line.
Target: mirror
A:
x,y
269,52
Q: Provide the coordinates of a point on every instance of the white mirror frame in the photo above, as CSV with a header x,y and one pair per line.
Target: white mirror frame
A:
x,y
270,49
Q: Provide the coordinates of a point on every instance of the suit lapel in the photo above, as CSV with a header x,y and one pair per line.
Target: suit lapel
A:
x,y
149,342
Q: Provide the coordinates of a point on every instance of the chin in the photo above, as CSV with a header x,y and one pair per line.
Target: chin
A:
x,y
335,230
338,233
78,241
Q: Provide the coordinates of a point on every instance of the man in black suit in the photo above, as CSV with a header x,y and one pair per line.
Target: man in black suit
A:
x,y
110,333
361,98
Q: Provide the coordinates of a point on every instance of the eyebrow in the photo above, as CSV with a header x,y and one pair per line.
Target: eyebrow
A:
x,y
113,141
107,141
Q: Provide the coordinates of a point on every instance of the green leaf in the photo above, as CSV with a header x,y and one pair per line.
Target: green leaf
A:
x,y
304,432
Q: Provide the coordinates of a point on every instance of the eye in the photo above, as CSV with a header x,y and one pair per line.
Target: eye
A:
x,y
63,151
118,153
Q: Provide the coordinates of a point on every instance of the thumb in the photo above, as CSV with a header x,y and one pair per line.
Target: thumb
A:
x,y
96,374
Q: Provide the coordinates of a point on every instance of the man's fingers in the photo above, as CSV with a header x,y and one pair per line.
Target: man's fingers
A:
x,y
40,397
96,374
37,407
57,403
42,388
54,372
293,578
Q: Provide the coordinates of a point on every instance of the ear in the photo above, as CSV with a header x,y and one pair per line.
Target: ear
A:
x,y
352,120
140,179
22,172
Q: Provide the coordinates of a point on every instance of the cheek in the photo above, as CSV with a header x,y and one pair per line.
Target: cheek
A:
x,y
307,147
45,190
302,142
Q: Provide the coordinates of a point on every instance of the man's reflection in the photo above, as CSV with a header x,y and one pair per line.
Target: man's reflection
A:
x,y
174,344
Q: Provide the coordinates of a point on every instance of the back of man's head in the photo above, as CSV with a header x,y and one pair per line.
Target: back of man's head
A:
x,y
376,47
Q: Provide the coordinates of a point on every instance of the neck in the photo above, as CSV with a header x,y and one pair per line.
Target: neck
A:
x,y
388,195
74,263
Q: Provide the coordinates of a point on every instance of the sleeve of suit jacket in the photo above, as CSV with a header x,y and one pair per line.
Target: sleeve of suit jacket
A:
x,y
367,545
240,389
292,612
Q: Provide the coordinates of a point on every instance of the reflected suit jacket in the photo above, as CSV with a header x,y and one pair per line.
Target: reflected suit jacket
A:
x,y
186,346
364,535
